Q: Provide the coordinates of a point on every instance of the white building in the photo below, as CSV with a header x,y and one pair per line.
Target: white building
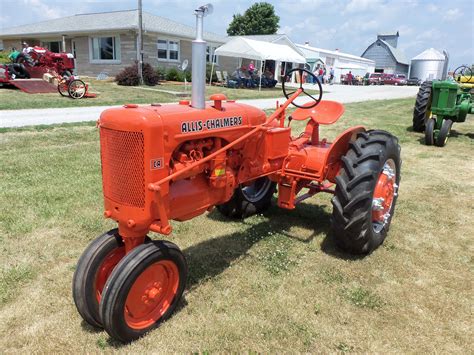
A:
x,y
341,62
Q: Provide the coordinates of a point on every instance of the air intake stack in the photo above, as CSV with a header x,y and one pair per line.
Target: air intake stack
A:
x,y
199,59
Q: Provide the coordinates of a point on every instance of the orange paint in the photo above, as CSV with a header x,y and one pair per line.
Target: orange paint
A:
x,y
174,162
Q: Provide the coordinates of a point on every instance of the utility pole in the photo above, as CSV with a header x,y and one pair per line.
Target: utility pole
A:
x,y
140,43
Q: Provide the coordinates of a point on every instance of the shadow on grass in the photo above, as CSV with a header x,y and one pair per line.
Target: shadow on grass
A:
x,y
208,259
452,135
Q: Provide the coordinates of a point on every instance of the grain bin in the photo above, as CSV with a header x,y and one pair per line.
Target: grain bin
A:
x,y
429,65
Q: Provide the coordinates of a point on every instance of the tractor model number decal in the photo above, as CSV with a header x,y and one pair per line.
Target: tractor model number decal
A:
x,y
210,124
156,164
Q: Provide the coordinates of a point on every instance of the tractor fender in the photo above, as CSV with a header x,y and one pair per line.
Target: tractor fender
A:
x,y
339,147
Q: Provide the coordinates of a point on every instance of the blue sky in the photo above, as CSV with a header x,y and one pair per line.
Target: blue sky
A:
x,y
350,25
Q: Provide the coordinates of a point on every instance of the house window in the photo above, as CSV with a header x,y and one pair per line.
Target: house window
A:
x,y
104,49
54,46
210,52
168,50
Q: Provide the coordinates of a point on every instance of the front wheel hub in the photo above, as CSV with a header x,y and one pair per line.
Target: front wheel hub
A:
x,y
385,191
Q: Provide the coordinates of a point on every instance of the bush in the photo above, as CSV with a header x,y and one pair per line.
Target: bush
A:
x,y
184,75
172,74
208,73
129,75
161,72
150,77
4,57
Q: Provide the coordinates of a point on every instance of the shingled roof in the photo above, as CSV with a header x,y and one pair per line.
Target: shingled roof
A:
x,y
397,53
106,21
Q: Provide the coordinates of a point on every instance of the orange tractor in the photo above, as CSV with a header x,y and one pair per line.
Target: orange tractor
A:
x,y
175,162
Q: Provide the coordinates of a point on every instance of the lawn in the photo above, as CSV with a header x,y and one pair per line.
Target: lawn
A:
x,y
112,94
271,283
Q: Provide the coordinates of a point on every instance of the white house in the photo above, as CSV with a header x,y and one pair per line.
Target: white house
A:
x,y
341,62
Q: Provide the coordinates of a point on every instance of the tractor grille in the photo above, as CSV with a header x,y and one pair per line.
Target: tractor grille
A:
x,y
123,175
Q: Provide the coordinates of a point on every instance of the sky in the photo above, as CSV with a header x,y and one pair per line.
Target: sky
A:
x,y
349,25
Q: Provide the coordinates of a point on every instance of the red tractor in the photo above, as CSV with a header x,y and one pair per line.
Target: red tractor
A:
x,y
39,61
175,162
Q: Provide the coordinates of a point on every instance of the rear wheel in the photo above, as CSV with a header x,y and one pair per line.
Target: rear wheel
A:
x,y
143,290
249,199
429,131
422,110
366,192
77,89
444,132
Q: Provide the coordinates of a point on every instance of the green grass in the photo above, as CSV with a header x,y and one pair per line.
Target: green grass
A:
x,y
272,283
112,94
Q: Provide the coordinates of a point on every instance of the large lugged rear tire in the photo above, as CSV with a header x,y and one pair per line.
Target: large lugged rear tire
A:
x,y
422,110
249,200
366,192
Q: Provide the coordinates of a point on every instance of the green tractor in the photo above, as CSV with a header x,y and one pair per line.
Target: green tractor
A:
x,y
441,103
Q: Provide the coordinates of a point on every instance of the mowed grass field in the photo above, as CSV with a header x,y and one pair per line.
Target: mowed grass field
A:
x,y
271,283
109,93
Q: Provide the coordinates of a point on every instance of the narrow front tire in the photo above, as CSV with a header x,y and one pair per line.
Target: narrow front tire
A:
x,y
143,290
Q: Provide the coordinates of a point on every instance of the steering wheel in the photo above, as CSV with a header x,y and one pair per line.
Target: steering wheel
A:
x,y
288,94
463,70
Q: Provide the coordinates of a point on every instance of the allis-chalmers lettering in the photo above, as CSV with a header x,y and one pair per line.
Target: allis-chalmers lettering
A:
x,y
210,124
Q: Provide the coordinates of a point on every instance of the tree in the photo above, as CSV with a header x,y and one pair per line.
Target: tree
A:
x,y
258,19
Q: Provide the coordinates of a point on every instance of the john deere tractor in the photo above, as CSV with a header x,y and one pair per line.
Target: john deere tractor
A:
x,y
441,103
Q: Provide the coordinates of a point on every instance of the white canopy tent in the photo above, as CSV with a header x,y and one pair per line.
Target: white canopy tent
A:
x,y
240,47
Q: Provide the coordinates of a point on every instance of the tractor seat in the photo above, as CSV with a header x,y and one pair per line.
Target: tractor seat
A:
x,y
326,112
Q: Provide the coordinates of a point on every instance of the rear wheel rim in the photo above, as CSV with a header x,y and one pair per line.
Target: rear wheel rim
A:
x,y
385,191
257,190
77,89
106,268
152,294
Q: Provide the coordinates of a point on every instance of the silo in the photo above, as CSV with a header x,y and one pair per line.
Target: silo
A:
x,y
429,65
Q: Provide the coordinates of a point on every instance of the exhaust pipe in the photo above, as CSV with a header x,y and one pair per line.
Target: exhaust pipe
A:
x,y
445,66
198,75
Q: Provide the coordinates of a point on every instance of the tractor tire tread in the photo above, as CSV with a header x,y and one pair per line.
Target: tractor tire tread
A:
x,y
352,202
421,106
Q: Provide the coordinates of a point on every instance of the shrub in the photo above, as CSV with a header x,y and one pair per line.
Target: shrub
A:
x,y
208,73
150,77
129,75
4,57
184,74
161,72
172,74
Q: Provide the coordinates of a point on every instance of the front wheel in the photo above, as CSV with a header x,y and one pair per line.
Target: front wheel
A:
x,y
249,199
430,131
63,87
93,268
366,192
143,290
444,132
